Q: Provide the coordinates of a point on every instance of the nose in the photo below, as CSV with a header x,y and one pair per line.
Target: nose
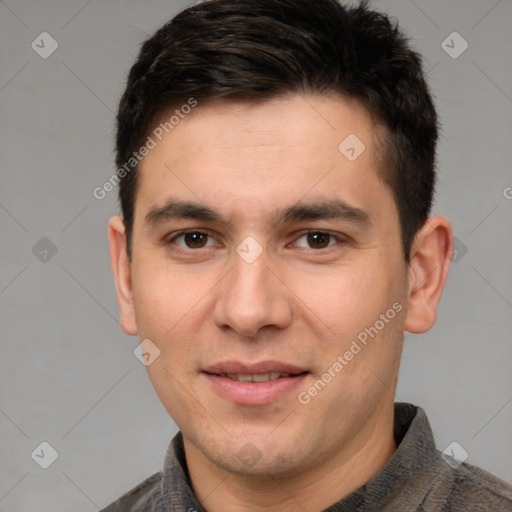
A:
x,y
252,297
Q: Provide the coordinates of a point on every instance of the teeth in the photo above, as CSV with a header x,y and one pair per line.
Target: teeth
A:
x,y
260,377
257,377
239,378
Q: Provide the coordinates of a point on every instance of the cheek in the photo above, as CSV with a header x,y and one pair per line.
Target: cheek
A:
x,y
165,297
343,300
345,308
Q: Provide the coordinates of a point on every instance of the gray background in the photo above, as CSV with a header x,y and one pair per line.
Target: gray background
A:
x,y
68,375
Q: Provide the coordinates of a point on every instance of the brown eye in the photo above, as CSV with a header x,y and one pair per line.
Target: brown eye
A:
x,y
318,240
195,240
191,240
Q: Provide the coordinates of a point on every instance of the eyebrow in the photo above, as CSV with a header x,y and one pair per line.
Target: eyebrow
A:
x,y
336,209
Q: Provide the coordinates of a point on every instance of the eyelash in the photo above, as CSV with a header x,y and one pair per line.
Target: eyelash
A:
x,y
171,241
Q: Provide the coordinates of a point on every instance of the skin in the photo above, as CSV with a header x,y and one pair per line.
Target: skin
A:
x,y
298,302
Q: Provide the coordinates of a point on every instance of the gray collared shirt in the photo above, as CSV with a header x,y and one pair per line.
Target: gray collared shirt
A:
x,y
416,478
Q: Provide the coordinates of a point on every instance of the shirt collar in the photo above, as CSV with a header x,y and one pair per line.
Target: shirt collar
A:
x,y
402,474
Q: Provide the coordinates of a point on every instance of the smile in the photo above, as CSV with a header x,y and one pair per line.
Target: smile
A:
x,y
256,377
254,384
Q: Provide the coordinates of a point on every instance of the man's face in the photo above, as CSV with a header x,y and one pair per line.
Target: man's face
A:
x,y
293,255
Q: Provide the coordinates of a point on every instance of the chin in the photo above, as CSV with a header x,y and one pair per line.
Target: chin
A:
x,y
259,458
268,467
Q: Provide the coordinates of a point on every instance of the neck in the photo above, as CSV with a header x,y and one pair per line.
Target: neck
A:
x,y
316,488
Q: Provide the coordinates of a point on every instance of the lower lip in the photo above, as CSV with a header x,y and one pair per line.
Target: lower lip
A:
x,y
254,393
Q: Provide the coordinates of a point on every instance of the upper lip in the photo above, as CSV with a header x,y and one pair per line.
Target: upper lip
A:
x,y
253,368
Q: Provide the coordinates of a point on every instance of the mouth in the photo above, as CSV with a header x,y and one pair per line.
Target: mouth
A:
x,y
254,384
256,377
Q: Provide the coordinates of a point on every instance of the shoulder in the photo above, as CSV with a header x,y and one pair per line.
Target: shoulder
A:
x,y
143,498
474,489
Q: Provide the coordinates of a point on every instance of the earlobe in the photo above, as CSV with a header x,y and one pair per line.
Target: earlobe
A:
x,y
430,260
121,267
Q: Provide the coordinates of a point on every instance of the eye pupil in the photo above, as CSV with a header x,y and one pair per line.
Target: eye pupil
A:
x,y
195,240
318,240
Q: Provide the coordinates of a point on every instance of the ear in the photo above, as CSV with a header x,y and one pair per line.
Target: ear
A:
x,y
121,266
431,255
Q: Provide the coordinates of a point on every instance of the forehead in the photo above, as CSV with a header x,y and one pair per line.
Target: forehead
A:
x,y
242,156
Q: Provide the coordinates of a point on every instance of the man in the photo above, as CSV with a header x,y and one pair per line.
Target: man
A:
x,y
277,167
